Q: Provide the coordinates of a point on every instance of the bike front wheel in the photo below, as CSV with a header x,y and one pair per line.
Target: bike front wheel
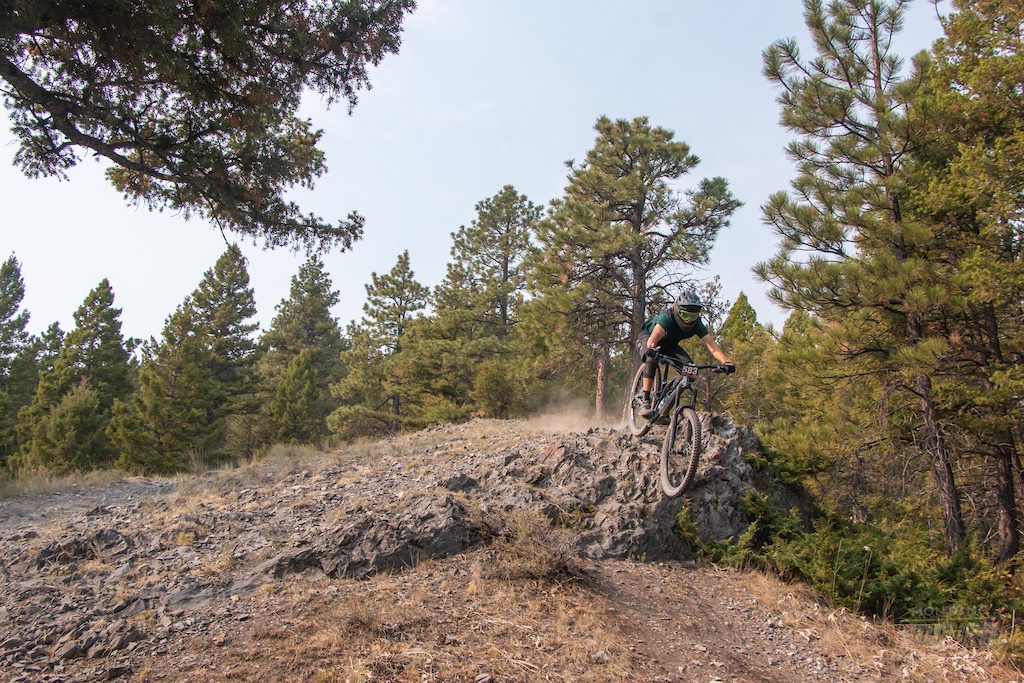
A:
x,y
638,425
680,451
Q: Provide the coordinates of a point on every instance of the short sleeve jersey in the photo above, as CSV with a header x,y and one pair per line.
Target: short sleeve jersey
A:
x,y
673,332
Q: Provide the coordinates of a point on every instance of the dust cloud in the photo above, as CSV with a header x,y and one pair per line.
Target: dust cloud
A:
x,y
573,415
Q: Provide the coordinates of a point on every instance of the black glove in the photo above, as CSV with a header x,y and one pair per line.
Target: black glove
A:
x,y
651,352
729,368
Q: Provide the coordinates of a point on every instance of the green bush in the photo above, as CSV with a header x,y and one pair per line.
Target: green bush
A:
x,y
499,391
893,572
767,524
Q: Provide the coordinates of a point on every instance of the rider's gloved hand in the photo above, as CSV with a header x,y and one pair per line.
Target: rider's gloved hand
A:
x,y
651,352
729,368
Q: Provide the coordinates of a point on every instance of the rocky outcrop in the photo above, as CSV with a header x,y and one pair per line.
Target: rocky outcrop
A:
x,y
108,577
602,483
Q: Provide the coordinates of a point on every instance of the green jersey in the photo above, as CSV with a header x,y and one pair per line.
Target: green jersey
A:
x,y
673,332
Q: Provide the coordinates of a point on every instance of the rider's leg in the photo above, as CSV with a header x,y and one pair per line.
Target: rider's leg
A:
x,y
650,365
678,353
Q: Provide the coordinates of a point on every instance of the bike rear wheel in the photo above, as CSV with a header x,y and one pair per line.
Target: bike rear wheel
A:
x,y
638,425
680,451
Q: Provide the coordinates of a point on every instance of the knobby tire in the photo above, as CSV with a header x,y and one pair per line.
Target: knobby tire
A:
x,y
680,451
637,425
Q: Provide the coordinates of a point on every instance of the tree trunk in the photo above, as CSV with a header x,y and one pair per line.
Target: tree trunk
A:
x,y
1009,542
603,368
1007,460
1018,472
637,318
503,302
639,305
934,438
942,469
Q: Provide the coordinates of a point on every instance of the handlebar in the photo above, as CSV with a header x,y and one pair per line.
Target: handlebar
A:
x,y
676,363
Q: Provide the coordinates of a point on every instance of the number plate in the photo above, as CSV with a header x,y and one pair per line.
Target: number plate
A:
x,y
688,370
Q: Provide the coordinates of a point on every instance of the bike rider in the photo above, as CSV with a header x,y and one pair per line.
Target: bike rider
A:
x,y
665,330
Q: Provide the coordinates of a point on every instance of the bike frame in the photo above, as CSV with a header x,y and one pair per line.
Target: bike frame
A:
x,y
685,380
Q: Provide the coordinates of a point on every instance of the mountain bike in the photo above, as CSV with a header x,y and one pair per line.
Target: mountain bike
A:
x,y
682,446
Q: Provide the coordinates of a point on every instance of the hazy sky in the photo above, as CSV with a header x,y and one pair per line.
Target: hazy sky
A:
x,y
482,94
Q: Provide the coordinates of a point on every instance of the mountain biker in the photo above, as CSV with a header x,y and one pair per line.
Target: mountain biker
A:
x,y
665,330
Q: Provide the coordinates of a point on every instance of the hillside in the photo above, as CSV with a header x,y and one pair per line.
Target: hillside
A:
x,y
422,558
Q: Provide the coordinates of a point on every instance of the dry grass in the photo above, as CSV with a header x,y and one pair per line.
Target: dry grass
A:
x,y
440,623
189,499
280,460
525,545
363,450
93,566
33,484
223,564
878,646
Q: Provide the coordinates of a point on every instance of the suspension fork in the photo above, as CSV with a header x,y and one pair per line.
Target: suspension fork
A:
x,y
687,384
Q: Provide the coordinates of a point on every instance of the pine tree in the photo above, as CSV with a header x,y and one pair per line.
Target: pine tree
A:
x,y
622,230
176,396
93,353
746,342
13,320
486,278
72,437
296,404
304,323
224,305
38,356
14,343
970,186
476,310
195,106
741,324
95,350
392,300
198,381
844,441
559,347
47,347
378,375
868,274
136,442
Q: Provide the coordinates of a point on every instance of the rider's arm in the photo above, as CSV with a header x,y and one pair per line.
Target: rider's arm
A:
x,y
656,334
714,348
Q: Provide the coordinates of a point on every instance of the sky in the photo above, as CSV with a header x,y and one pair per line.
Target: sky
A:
x,y
482,94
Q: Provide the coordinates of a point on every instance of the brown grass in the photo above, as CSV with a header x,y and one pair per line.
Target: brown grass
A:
x,y
525,545
393,627
435,622
875,645
33,484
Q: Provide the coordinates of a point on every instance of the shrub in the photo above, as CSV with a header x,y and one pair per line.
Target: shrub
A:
x,y
526,545
888,572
